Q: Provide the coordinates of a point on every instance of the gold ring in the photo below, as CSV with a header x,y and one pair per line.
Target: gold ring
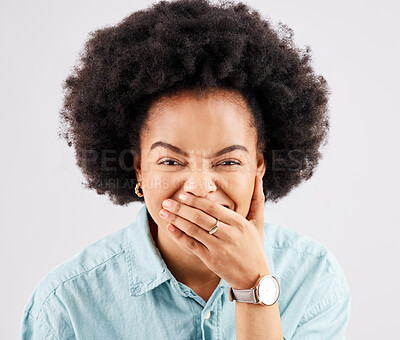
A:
x,y
214,228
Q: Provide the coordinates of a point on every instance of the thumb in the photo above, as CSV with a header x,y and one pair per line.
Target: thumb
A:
x,y
256,212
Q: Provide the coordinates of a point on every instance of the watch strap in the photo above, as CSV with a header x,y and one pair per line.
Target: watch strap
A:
x,y
243,295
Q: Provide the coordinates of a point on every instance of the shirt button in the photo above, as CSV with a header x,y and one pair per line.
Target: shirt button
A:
x,y
207,315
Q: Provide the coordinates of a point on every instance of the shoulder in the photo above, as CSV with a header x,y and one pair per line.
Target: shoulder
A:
x,y
314,290
310,275
95,256
283,244
281,237
292,251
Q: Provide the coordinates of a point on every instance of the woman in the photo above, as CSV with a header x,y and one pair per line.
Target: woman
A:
x,y
203,112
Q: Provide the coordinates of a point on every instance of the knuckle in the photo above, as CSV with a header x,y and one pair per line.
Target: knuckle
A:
x,y
194,230
180,238
213,209
241,227
177,207
173,218
197,217
192,244
205,253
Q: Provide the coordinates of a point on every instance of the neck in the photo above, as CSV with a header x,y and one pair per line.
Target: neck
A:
x,y
184,265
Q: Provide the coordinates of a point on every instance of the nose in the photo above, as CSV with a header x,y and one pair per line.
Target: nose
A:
x,y
200,184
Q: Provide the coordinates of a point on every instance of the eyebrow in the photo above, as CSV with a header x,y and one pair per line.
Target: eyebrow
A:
x,y
185,154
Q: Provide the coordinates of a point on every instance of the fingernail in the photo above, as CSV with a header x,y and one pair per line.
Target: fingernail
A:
x,y
164,213
167,203
170,227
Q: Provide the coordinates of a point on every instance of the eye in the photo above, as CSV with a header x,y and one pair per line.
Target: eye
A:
x,y
168,161
230,161
163,162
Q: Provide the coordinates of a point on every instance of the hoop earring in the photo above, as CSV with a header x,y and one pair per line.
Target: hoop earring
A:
x,y
137,190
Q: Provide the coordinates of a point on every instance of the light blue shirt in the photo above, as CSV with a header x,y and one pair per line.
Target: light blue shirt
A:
x,y
120,288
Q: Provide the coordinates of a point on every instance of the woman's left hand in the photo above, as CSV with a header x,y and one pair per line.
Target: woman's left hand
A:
x,y
235,251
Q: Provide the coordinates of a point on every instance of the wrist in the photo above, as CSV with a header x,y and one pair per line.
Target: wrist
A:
x,y
265,291
250,281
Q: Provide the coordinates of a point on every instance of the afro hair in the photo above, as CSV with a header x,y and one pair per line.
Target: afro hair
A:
x,y
192,44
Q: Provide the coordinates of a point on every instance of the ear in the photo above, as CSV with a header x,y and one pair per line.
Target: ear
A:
x,y
136,165
261,167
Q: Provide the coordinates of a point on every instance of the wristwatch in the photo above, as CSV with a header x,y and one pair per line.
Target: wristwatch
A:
x,y
265,292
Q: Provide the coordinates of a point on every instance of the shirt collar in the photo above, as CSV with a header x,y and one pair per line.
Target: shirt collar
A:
x,y
146,267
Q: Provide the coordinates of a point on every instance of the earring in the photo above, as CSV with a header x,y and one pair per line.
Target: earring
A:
x,y
137,190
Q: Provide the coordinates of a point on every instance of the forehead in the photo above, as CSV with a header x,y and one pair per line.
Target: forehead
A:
x,y
201,124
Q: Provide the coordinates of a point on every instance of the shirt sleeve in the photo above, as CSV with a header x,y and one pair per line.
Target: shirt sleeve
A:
x,y
328,320
46,316
34,328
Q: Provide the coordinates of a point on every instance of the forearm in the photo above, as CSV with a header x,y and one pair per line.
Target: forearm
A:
x,y
257,322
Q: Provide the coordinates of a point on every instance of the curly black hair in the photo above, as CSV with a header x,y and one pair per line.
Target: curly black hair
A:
x,y
198,45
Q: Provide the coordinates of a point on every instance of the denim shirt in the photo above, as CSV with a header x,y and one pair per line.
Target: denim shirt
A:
x,y
120,288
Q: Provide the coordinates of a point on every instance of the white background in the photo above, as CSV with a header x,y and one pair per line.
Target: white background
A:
x,y
349,205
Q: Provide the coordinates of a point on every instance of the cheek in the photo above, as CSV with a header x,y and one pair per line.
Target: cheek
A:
x,y
158,188
154,183
153,204
241,192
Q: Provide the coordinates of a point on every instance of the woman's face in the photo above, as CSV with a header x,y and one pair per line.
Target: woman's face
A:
x,y
183,150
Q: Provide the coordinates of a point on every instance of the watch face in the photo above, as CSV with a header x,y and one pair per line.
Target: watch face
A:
x,y
268,290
